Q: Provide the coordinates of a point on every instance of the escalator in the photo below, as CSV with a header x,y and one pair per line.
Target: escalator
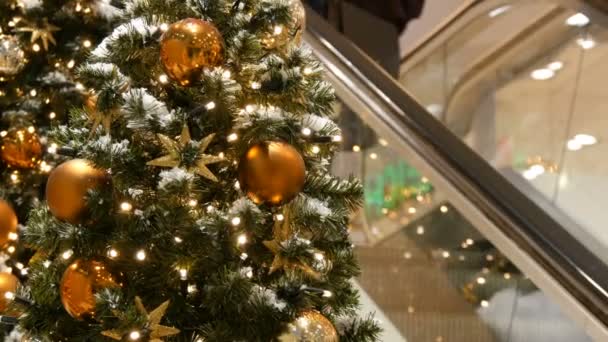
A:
x,y
456,242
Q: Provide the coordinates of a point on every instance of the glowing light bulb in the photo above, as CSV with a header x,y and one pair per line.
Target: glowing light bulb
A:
x,y
13,236
36,47
87,43
67,254
134,335
356,148
183,274
140,255
164,79
193,203
178,239
256,85
126,206
278,29
211,105
233,137
241,240
481,280
306,131
316,149
280,217
112,253
52,115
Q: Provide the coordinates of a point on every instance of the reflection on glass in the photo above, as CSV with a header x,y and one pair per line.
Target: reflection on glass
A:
x,y
529,98
431,272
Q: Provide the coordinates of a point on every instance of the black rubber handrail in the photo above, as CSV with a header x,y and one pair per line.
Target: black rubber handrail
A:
x,y
538,234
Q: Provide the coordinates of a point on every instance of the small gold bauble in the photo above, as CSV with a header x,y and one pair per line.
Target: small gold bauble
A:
x,y
79,284
67,187
8,283
12,56
21,148
272,172
8,222
280,36
188,46
310,326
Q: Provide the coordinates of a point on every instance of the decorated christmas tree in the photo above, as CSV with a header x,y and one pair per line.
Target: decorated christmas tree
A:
x,y
197,205
42,43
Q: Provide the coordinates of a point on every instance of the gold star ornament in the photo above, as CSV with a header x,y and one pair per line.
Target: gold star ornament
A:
x,y
98,118
152,328
174,151
44,33
281,233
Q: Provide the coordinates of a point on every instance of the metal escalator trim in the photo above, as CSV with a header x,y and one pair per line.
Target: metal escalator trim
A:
x,y
538,234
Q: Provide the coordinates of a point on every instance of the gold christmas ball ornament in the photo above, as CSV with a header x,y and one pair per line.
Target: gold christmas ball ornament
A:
x,y
79,284
280,35
12,56
21,148
310,326
272,172
67,188
8,222
188,46
8,283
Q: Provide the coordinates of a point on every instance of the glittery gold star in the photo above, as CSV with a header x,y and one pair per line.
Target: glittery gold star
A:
x,y
174,151
153,327
43,33
98,118
281,233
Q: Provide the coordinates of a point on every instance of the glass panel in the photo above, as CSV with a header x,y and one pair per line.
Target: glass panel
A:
x,y
521,87
429,270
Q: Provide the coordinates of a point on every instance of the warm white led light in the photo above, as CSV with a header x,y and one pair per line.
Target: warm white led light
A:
x,y
242,239
211,105
140,255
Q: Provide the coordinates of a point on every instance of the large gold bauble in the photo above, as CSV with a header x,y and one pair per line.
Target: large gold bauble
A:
x,y
310,326
280,36
12,56
8,283
272,172
188,46
8,222
21,148
79,284
67,187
